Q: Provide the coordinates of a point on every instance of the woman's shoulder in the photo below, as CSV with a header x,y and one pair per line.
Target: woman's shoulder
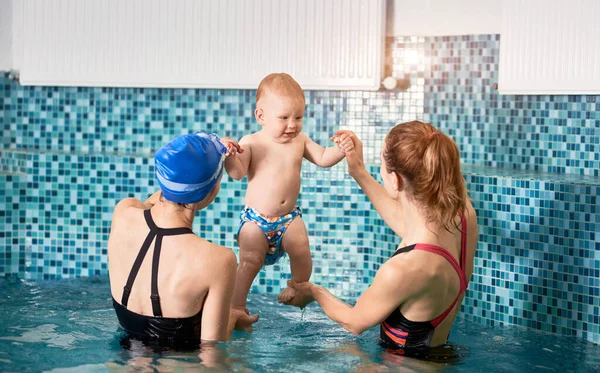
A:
x,y
421,265
406,272
128,203
211,263
470,212
472,226
125,210
405,264
219,255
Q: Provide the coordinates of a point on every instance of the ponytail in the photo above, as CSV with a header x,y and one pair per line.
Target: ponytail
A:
x,y
429,162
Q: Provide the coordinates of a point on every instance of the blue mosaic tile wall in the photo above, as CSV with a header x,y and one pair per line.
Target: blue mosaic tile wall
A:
x,y
76,151
538,260
533,173
11,186
69,154
559,134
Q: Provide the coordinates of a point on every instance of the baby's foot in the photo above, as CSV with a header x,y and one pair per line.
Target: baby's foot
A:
x,y
286,295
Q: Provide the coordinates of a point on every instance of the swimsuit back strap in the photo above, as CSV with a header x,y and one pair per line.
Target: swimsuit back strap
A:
x,y
461,275
136,268
438,320
462,270
159,233
149,221
443,252
404,249
164,231
174,231
154,286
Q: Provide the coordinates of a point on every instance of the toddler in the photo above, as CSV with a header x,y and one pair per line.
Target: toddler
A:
x,y
271,223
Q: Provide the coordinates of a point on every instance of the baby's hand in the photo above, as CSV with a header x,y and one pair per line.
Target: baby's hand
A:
x,y
232,146
343,139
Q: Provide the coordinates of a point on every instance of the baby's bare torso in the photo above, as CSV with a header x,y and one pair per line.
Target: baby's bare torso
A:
x,y
274,174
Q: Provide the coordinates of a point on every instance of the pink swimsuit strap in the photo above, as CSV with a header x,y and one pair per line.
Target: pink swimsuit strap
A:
x,y
460,268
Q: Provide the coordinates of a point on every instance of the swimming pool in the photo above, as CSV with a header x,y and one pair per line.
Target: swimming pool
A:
x,y
70,326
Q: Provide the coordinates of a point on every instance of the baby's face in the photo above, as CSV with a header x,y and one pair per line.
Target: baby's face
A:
x,y
282,116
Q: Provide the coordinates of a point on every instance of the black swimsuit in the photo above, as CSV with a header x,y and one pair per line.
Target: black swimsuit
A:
x,y
397,331
173,331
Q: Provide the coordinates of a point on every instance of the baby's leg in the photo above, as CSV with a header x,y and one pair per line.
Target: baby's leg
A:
x,y
253,249
295,244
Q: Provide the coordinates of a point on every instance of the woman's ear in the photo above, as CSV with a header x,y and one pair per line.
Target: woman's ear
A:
x,y
398,182
259,115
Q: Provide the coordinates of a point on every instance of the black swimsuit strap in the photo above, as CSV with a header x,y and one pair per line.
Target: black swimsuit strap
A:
x,y
404,249
164,231
154,286
159,233
136,267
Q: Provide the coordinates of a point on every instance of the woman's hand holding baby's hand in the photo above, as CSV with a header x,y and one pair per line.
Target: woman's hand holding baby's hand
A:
x,y
303,296
232,146
240,319
352,147
343,139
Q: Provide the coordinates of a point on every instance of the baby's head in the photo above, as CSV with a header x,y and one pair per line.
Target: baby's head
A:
x,y
281,85
280,107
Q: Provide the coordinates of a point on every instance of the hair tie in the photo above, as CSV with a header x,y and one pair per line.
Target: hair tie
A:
x,y
431,134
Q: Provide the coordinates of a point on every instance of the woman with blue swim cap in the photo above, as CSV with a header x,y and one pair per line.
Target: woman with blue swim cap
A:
x,y
171,287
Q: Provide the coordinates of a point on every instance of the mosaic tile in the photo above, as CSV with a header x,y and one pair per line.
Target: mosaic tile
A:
x,y
537,263
531,164
549,133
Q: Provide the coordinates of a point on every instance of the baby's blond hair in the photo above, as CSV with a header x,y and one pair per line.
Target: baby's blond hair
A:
x,y
281,84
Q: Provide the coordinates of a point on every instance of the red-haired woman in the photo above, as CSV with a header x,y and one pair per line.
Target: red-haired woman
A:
x,y
417,293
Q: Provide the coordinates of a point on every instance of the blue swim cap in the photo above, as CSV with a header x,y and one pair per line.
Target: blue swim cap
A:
x,y
188,168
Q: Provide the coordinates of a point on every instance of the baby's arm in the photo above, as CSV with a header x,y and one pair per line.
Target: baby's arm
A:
x,y
238,157
322,157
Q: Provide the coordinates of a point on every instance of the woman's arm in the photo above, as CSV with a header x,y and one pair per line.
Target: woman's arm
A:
x,y
386,206
388,291
215,314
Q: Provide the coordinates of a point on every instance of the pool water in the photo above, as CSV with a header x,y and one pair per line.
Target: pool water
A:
x,y
70,326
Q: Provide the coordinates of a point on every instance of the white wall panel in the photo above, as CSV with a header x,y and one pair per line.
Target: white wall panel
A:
x,y
324,44
443,17
6,59
550,47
